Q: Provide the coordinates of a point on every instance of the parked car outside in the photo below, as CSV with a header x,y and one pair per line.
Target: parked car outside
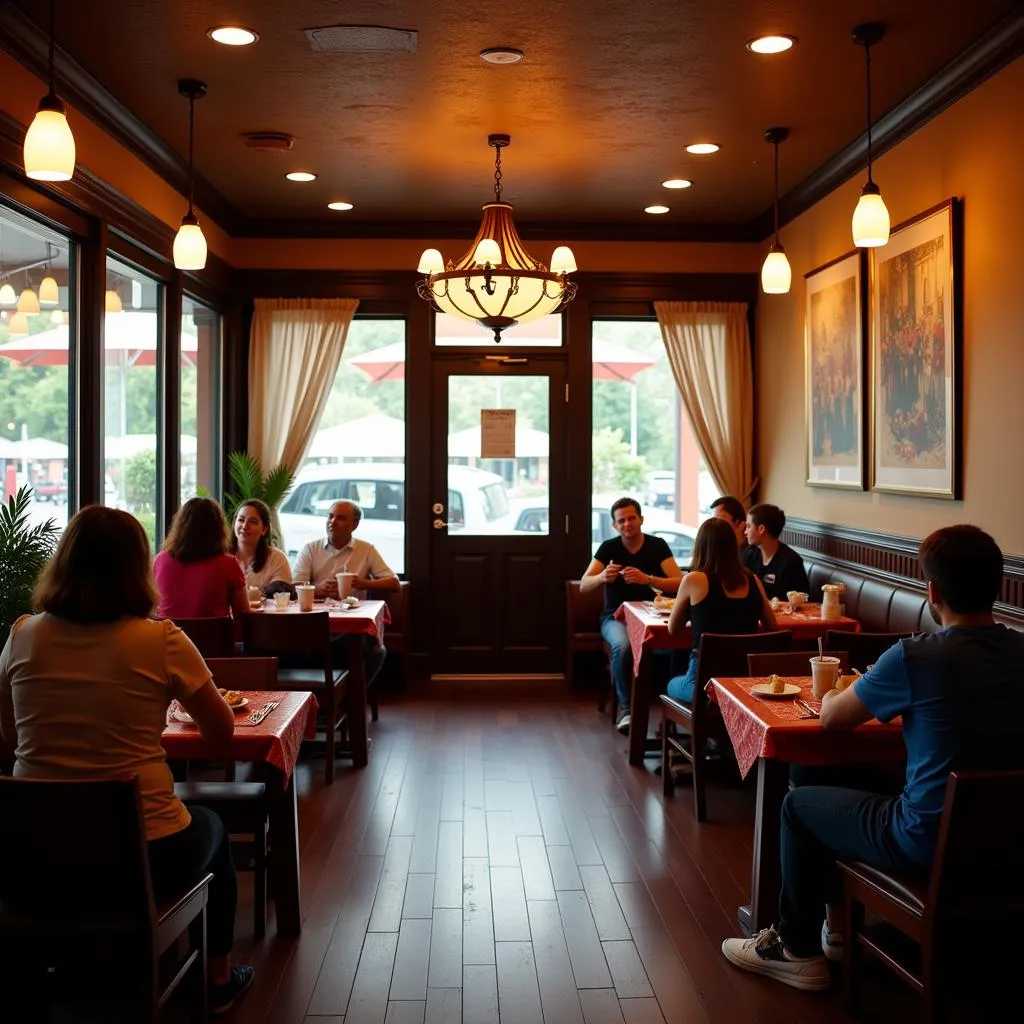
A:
x,y
660,489
51,490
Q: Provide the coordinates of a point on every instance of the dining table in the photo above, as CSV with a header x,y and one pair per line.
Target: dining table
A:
x,y
774,732
368,618
271,743
647,627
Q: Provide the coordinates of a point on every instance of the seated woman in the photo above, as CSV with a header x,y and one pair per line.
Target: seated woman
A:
x,y
717,595
84,691
196,578
250,544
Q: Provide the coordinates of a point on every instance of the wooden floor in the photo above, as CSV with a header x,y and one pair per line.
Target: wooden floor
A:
x,y
499,861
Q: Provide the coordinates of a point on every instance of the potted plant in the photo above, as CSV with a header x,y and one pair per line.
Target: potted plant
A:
x,y
24,550
250,481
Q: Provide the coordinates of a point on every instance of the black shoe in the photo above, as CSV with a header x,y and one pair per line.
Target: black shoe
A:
x,y
223,997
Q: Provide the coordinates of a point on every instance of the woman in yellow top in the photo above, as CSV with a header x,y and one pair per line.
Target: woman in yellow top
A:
x,y
84,691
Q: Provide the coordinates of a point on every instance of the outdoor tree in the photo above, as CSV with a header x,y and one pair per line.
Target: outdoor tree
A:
x,y
140,481
613,467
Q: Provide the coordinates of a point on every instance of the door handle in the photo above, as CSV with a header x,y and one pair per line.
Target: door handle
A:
x,y
440,524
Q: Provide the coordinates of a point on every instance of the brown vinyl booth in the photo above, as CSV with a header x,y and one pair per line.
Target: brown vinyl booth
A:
x,y
582,615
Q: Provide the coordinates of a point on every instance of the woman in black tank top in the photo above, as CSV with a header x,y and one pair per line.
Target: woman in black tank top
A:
x,y
717,595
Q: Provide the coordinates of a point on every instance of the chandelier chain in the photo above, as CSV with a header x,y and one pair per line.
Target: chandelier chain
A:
x,y
497,174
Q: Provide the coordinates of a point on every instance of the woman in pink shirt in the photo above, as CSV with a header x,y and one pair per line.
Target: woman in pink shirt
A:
x,y
195,575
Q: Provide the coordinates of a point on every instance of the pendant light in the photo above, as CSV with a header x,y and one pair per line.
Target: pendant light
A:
x,y
49,292
17,325
776,273
28,301
871,218
8,296
189,242
112,302
49,148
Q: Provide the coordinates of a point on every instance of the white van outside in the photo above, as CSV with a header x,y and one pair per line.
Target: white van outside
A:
x,y
477,501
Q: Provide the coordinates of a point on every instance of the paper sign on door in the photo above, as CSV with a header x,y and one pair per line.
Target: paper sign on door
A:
x,y
497,433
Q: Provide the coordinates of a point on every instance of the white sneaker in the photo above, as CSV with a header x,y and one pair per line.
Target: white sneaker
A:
x,y
831,943
765,954
623,724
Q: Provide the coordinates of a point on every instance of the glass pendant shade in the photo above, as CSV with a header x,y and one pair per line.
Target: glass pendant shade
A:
x,y
431,262
17,326
49,148
28,301
49,293
112,302
8,296
57,317
563,261
190,245
870,219
776,273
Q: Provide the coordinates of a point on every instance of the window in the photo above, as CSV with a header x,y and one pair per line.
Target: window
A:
x,y
36,325
132,332
200,410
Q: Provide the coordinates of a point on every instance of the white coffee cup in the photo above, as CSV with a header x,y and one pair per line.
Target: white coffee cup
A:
x,y
824,673
344,584
306,592
281,600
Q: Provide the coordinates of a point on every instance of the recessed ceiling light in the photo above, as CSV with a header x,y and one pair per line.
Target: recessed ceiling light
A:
x,y
702,148
771,44
300,176
339,206
677,183
501,55
232,35
655,209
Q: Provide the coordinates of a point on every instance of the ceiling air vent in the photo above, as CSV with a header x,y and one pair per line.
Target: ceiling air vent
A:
x,y
269,142
361,39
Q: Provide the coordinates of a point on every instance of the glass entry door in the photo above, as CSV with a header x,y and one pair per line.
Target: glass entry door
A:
x,y
498,515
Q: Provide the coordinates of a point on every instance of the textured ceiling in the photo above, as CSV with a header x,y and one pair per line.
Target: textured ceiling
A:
x,y
599,111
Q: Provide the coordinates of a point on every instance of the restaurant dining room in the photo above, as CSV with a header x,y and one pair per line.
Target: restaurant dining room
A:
x,y
511,516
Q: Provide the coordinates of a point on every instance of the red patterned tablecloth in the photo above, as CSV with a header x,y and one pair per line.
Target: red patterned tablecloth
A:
x,y
370,617
773,727
276,740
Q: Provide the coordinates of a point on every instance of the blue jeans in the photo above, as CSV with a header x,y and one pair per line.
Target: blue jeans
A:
x,y
680,688
819,824
615,635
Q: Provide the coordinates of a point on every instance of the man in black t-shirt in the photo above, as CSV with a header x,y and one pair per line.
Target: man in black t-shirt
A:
x,y
780,568
628,567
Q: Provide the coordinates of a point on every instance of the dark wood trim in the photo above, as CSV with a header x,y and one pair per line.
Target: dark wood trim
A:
x,y
169,406
890,558
87,372
986,55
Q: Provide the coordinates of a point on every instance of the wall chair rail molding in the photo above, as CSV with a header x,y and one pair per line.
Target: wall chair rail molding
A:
x,y
887,557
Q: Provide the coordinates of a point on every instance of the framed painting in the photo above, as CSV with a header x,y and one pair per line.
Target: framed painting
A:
x,y
834,339
916,329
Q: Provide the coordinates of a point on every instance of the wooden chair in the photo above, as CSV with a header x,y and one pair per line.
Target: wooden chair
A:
x,y
309,635
75,890
582,615
790,663
720,654
863,648
213,637
396,639
959,915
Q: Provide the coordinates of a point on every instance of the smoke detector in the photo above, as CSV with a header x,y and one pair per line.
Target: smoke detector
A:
x,y
361,39
269,142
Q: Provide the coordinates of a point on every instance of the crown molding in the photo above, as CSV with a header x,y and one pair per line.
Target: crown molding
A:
x,y
987,55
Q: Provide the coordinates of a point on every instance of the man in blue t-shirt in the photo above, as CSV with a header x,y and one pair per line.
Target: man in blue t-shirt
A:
x,y
628,567
959,692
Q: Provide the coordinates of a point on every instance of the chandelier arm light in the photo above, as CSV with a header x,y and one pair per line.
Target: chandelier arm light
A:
x,y
497,283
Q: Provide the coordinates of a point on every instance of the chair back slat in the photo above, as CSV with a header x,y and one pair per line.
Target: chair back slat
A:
x,y
273,632
790,663
725,654
583,608
214,637
243,673
398,608
863,648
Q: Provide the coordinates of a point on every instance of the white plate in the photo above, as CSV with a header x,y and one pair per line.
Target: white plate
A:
x,y
765,690
244,702
179,714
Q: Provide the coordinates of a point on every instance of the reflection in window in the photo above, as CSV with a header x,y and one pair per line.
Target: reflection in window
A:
x,y
200,422
36,267
134,305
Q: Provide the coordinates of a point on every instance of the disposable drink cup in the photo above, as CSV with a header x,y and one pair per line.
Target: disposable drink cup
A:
x,y
306,591
281,601
824,673
344,584
255,595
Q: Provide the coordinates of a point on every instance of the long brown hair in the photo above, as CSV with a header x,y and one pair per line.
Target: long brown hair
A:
x,y
716,554
199,531
259,559
100,571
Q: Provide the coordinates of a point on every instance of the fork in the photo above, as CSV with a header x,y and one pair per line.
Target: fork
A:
x,y
809,712
257,716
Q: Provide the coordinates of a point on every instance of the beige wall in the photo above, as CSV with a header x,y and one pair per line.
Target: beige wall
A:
x,y
974,150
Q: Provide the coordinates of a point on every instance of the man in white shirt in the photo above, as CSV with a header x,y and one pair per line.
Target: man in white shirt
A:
x,y
341,552
320,560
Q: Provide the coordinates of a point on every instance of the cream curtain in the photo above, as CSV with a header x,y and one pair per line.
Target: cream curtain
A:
x,y
295,348
708,346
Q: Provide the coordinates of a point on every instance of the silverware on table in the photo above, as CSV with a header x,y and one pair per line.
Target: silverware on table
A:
x,y
257,716
809,712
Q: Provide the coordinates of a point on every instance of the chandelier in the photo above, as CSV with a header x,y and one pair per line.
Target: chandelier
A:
x,y
497,283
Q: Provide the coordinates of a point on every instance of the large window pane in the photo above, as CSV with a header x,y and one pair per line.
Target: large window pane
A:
x,y
358,451
36,266
134,308
200,410
643,445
